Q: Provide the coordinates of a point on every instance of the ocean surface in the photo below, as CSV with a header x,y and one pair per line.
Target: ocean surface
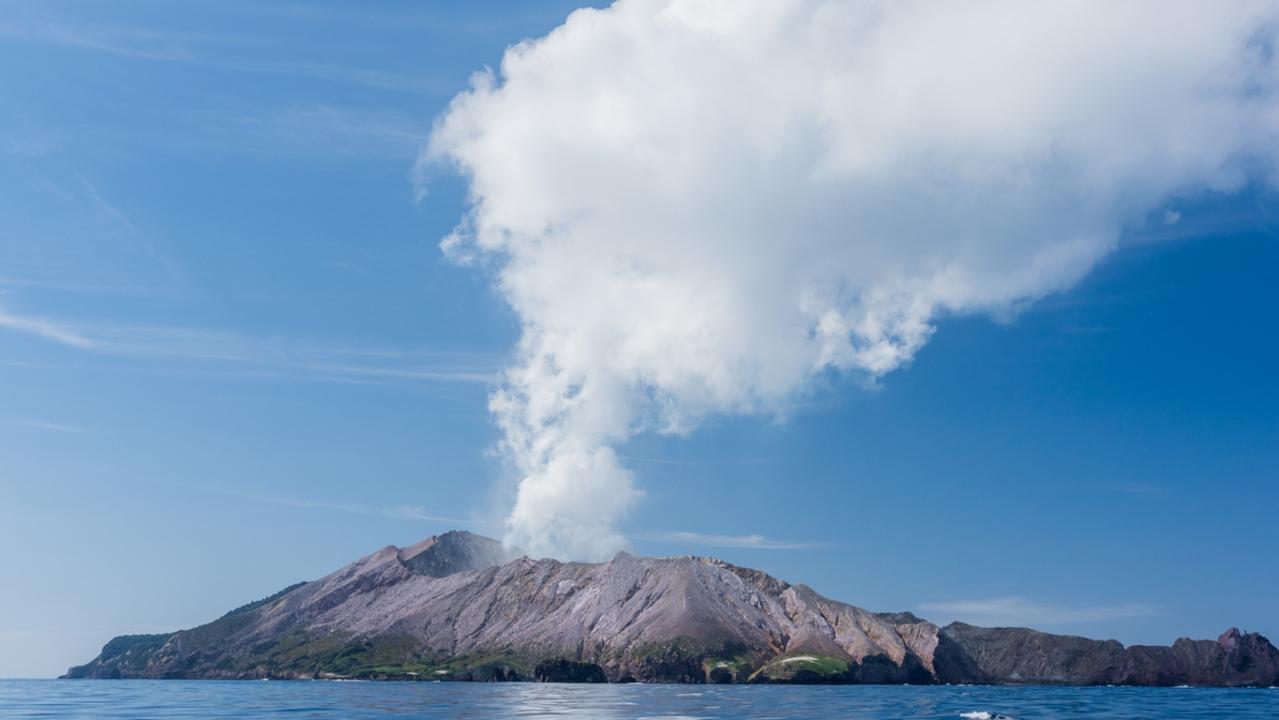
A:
x,y
173,700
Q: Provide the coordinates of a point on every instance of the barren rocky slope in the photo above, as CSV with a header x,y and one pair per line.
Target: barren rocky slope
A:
x,y
454,607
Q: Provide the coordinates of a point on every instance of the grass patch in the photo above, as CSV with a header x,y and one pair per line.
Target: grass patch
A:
x,y
805,668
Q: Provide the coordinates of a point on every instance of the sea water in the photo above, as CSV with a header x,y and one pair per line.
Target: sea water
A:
x,y
198,700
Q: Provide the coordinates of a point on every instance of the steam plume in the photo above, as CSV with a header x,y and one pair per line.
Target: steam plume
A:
x,y
697,206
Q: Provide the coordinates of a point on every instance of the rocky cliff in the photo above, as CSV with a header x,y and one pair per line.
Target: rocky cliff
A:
x,y
456,607
1019,655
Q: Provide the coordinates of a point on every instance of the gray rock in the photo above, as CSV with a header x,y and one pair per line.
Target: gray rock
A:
x,y
453,552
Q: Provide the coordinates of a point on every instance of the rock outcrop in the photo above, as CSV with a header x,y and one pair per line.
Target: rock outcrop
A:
x,y
454,552
456,607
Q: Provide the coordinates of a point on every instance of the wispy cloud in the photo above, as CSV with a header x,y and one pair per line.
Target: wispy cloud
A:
x,y
1019,611
1085,330
47,329
335,130
418,512
1140,489
171,46
298,359
342,75
399,512
120,219
123,42
112,211
732,460
51,426
757,542
8,282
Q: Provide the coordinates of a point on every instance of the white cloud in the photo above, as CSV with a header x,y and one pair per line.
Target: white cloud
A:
x,y
1020,612
698,207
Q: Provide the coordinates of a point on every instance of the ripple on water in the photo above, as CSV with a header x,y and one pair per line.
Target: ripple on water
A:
x,y
214,700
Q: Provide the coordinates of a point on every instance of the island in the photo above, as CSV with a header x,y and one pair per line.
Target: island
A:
x,y
459,606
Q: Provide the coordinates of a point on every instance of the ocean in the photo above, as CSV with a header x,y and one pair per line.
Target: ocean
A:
x,y
201,700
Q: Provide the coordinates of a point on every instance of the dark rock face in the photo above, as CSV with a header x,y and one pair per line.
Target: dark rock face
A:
x,y
563,670
1019,655
1235,659
456,607
720,676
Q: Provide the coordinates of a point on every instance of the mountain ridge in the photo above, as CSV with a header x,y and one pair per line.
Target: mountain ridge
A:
x,y
459,606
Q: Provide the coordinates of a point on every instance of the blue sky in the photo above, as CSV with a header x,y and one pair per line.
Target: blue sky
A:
x,y
233,356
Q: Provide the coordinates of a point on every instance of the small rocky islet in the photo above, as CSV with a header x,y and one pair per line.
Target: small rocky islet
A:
x,y
458,606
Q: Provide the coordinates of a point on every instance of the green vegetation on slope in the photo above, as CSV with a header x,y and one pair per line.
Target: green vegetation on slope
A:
x,y
814,669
